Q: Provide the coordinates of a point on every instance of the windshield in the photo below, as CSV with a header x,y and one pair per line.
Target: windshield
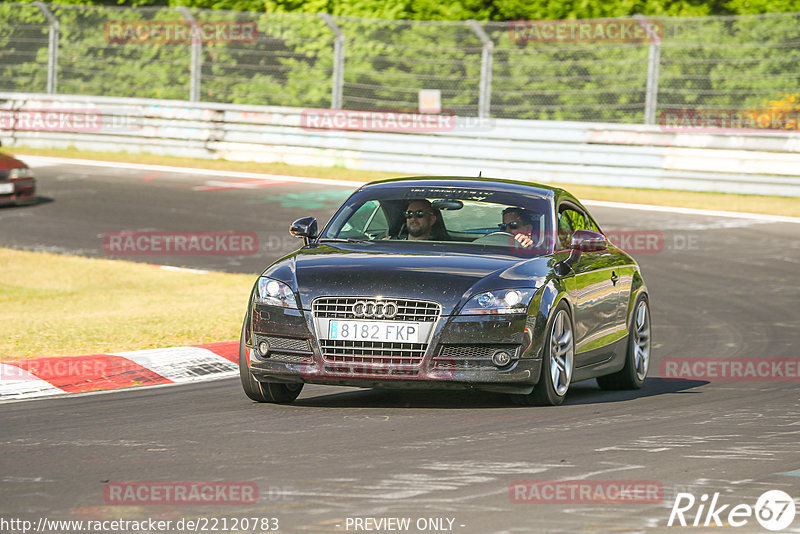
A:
x,y
444,215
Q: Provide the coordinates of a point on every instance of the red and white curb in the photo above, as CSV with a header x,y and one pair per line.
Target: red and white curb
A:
x,y
41,377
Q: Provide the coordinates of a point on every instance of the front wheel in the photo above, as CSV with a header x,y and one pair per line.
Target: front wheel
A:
x,y
263,391
557,362
637,358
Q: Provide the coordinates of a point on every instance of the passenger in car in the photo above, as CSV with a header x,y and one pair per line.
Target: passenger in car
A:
x,y
518,222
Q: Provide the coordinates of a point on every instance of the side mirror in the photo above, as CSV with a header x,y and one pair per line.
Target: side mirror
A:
x,y
588,241
581,241
305,228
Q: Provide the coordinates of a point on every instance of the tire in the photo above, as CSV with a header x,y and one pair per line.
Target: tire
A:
x,y
263,391
558,362
637,356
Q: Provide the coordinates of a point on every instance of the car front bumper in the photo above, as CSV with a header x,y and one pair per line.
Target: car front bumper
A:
x,y
456,356
24,191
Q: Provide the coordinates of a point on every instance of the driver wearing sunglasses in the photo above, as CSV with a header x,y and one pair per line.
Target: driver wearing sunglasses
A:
x,y
420,218
517,222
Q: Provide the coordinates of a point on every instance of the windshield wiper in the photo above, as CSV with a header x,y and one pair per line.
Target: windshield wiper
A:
x,y
341,240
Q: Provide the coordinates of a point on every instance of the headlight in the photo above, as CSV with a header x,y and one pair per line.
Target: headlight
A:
x,y
274,293
15,174
501,301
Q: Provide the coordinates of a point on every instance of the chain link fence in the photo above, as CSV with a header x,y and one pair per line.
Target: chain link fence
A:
x,y
487,69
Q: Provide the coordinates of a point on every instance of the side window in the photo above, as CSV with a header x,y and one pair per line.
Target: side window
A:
x,y
377,226
570,220
357,224
590,225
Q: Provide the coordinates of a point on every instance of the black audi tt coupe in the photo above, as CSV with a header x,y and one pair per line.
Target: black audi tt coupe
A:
x,y
434,282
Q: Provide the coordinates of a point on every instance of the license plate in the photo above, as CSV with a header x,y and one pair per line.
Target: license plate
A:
x,y
6,189
374,331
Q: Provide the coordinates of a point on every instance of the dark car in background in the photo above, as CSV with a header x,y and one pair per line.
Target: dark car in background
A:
x,y
471,306
17,184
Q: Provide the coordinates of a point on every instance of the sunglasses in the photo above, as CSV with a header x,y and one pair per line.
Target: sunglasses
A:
x,y
513,225
415,213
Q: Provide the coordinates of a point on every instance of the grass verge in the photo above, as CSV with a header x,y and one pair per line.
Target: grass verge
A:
x,y
788,206
54,305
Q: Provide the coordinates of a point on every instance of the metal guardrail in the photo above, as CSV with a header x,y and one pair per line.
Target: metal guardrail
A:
x,y
544,151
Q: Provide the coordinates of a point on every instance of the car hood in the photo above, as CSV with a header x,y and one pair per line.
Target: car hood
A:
x,y
427,273
7,163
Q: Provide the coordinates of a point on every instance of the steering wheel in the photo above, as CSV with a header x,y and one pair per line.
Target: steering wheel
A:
x,y
494,237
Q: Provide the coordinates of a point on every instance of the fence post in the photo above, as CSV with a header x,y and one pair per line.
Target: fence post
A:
x,y
485,91
651,99
338,60
653,65
196,55
52,47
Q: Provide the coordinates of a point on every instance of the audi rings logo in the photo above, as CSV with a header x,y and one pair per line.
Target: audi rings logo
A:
x,y
375,309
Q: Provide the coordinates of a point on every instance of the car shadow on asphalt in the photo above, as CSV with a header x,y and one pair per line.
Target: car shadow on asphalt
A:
x,y
37,202
394,398
587,392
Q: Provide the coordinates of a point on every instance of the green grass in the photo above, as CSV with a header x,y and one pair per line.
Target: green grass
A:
x,y
54,305
789,206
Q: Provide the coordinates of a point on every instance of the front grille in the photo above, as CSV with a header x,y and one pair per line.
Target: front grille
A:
x,y
284,343
362,371
462,364
469,356
289,358
407,310
372,352
473,352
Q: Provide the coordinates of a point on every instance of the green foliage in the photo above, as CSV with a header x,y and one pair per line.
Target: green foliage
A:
x,y
750,7
389,62
23,48
487,10
90,64
726,63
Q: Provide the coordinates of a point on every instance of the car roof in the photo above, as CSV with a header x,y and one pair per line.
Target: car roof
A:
x,y
493,184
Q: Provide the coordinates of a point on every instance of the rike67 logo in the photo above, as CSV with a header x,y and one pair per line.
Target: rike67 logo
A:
x,y
774,510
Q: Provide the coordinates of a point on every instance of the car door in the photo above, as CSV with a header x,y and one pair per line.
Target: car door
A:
x,y
622,270
594,290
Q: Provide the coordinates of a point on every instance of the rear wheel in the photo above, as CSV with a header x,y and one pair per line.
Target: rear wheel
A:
x,y
637,359
263,391
557,362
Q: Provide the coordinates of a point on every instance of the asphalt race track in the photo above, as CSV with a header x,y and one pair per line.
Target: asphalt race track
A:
x,y
720,288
